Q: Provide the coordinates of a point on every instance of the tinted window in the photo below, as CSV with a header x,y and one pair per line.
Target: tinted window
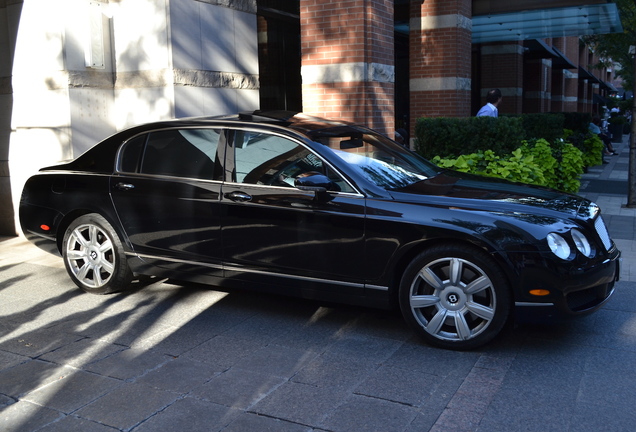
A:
x,y
182,153
272,160
132,153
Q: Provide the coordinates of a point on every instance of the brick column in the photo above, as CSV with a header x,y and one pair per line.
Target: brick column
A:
x,y
440,54
347,61
583,104
557,102
537,85
570,48
565,81
502,68
571,92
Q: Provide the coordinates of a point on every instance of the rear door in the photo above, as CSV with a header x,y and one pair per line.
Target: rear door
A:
x,y
167,196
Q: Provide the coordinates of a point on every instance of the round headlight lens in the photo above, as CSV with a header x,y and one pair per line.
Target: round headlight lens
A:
x,y
558,246
581,243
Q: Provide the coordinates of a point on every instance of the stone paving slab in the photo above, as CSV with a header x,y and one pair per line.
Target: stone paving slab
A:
x,y
350,374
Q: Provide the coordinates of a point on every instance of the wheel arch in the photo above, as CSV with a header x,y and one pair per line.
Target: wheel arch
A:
x,y
69,217
412,252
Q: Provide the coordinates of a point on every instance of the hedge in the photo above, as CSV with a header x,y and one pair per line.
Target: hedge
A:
x,y
452,137
530,148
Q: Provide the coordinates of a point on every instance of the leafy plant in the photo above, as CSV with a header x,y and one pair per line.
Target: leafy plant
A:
x,y
541,153
590,145
570,167
532,163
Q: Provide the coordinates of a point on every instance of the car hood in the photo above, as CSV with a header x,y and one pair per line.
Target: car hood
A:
x,y
450,188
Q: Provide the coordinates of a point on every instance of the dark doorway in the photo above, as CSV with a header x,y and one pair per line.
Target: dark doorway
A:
x,y
279,56
402,72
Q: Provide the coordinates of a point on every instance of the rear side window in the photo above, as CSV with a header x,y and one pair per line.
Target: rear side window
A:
x,y
132,154
189,153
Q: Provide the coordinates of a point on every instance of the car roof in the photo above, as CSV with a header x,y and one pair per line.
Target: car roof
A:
x,y
99,157
295,120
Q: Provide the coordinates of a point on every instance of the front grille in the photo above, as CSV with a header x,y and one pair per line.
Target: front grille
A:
x,y
580,301
601,229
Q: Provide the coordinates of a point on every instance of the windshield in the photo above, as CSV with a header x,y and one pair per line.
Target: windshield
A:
x,y
380,160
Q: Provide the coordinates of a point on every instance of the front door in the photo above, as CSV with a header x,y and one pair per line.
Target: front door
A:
x,y
273,232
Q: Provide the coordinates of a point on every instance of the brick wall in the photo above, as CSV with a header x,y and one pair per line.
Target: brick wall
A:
x,y
502,67
347,61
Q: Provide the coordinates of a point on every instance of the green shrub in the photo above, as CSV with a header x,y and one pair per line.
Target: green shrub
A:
x,y
517,167
453,137
543,125
541,153
617,120
532,163
570,167
590,144
497,147
578,123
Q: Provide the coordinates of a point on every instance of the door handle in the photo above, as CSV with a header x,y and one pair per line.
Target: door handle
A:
x,y
124,186
238,196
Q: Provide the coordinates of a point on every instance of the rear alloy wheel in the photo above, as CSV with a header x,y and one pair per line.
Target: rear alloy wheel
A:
x,y
94,256
455,297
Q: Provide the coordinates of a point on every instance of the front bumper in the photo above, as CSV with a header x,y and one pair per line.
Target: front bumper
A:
x,y
577,295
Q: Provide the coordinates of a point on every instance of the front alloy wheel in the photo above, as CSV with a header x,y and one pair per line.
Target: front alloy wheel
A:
x,y
94,257
455,298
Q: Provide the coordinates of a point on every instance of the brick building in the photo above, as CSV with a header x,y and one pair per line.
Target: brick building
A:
x,y
75,71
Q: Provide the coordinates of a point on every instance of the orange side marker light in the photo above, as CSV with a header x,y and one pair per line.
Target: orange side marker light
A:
x,y
539,292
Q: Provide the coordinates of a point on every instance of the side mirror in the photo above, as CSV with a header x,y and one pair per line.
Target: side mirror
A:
x,y
314,181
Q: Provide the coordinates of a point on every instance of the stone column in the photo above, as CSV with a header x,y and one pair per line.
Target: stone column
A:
x,y
9,20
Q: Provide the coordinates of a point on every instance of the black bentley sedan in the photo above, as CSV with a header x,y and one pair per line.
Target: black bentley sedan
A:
x,y
324,210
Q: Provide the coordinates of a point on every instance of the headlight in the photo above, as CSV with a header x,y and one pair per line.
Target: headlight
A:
x,y
581,243
558,246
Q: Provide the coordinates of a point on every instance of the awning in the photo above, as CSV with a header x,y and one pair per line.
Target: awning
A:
x,y
585,74
545,23
609,86
538,49
561,61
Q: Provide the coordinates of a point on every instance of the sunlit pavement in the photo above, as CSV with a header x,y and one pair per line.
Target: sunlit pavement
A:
x,y
167,357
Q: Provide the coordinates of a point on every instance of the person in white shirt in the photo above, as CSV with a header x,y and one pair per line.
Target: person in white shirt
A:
x,y
493,99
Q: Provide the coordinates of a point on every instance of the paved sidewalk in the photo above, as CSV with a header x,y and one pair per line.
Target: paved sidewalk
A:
x,y
165,357
606,185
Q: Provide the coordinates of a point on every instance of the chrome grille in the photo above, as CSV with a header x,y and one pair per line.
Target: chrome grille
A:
x,y
601,229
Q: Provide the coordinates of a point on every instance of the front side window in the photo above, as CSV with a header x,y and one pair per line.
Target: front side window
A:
x,y
189,153
265,159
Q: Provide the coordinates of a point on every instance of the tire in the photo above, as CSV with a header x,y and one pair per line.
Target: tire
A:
x,y
455,297
94,256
